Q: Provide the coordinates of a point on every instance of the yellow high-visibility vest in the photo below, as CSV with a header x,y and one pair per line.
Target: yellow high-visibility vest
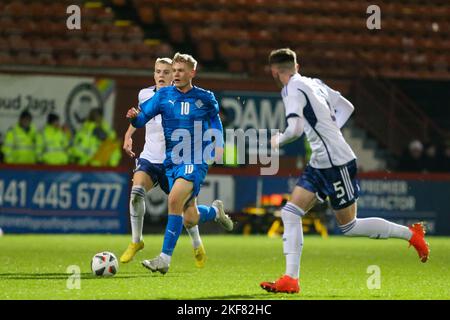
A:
x,y
20,146
53,144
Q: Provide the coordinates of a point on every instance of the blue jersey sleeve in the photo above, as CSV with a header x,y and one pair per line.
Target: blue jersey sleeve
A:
x,y
149,109
213,105
213,112
216,123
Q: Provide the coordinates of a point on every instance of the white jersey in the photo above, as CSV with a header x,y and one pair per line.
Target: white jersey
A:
x,y
313,101
155,145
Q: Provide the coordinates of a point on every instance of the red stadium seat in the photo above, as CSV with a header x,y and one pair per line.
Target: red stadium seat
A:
x,y
413,41
147,14
206,51
236,66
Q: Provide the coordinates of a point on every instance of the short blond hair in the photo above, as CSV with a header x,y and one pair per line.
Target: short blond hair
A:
x,y
164,61
185,58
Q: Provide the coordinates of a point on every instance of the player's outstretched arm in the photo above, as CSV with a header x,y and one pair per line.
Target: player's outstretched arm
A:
x,y
137,118
128,141
147,110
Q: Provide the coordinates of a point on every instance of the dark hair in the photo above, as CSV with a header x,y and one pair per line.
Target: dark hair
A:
x,y
94,113
25,115
284,55
52,117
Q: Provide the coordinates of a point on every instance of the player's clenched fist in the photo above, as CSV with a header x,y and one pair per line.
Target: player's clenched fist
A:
x,y
132,113
275,141
128,146
218,157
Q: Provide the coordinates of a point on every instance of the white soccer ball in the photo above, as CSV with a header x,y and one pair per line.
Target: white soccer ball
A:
x,y
104,264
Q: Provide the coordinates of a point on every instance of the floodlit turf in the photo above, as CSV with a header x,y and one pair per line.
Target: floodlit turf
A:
x,y
34,267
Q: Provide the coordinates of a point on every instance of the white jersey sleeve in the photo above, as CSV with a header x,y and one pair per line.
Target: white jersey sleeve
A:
x,y
146,94
344,110
342,107
155,145
294,102
333,95
314,100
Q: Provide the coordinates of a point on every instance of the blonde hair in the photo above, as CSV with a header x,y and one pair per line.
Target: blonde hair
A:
x,y
164,61
185,58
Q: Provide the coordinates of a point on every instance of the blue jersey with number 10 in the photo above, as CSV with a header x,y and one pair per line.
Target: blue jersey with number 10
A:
x,y
185,118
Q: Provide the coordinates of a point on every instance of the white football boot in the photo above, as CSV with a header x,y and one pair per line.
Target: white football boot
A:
x,y
156,265
222,218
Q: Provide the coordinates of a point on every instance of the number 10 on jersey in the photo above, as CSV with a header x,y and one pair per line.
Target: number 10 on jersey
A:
x,y
184,108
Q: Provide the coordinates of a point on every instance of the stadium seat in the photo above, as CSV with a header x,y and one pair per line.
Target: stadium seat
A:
x,y
177,33
146,14
235,31
206,51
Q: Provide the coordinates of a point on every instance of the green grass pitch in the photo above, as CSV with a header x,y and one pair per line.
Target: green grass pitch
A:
x,y
34,267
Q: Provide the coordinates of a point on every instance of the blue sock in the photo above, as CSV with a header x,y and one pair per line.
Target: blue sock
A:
x,y
173,230
206,213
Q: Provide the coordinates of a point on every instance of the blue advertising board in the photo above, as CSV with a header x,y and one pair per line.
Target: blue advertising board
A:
x,y
407,200
63,201
258,110
399,198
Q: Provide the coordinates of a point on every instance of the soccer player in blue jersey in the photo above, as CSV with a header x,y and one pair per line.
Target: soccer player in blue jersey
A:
x,y
150,172
187,113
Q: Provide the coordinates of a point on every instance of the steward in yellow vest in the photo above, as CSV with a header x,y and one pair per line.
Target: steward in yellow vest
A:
x,y
95,143
20,145
53,143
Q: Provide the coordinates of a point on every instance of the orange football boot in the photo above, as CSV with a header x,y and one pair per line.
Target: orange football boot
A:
x,y
285,284
418,241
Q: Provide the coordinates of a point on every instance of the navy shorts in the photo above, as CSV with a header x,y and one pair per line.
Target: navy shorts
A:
x,y
338,183
156,172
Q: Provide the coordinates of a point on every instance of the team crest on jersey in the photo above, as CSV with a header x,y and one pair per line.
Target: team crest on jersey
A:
x,y
199,103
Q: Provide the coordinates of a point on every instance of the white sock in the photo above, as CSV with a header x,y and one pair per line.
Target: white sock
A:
x,y
292,238
195,236
137,211
375,228
165,257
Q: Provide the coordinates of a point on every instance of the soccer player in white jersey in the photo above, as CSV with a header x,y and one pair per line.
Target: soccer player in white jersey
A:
x,y
150,172
318,111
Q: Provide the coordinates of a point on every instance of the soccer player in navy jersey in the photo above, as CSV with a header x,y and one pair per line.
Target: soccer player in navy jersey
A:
x,y
320,112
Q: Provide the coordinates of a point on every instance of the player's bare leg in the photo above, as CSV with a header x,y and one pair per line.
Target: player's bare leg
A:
x,y
179,195
301,201
201,214
191,219
141,184
377,228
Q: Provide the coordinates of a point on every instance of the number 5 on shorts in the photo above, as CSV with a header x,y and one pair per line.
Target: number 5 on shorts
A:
x,y
340,191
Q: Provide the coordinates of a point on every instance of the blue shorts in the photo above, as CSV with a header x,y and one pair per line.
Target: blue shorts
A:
x,y
338,183
191,172
156,172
